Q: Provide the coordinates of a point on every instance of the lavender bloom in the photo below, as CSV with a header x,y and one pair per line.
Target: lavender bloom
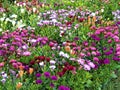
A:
x,y
12,72
3,80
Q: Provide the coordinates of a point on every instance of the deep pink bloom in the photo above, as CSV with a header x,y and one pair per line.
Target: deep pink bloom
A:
x,y
106,61
15,65
96,59
51,44
12,61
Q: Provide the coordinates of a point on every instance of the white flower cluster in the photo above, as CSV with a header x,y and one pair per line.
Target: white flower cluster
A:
x,y
64,54
52,64
4,76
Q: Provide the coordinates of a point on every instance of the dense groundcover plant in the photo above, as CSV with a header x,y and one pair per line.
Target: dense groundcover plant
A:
x,y
55,46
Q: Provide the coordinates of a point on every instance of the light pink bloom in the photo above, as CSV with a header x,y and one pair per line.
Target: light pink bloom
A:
x,y
92,48
26,53
94,53
87,67
91,64
81,61
1,64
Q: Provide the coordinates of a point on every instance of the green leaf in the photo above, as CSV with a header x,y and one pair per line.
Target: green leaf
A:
x,y
113,75
89,83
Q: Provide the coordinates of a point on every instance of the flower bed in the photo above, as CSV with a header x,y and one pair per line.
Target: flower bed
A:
x,y
60,46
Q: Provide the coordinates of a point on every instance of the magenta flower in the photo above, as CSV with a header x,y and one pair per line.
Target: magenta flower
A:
x,y
12,61
96,59
106,61
76,38
54,77
63,88
115,58
38,81
47,74
15,65
38,75
52,85
108,52
12,48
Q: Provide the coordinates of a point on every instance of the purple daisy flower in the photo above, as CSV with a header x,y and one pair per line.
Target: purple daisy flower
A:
x,y
47,74
106,61
38,74
38,81
63,88
54,77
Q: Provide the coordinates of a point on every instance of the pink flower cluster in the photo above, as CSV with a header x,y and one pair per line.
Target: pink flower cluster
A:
x,y
19,42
